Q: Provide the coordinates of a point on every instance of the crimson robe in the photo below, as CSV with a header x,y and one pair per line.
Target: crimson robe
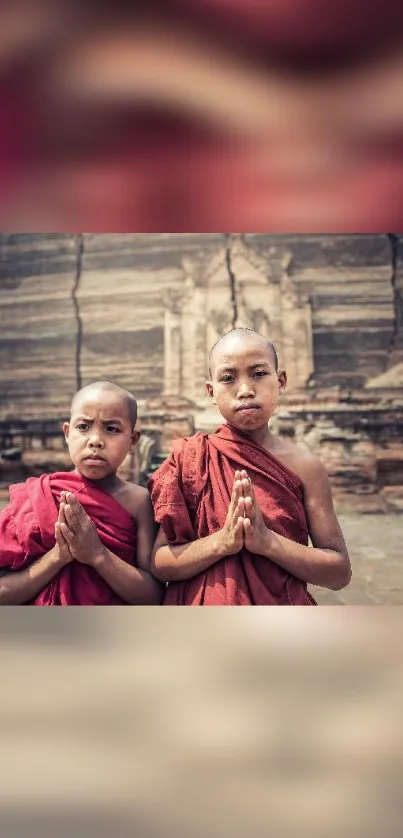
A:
x,y
191,493
27,531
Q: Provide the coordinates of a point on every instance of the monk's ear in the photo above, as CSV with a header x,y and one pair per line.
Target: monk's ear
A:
x,y
210,391
282,380
135,438
66,429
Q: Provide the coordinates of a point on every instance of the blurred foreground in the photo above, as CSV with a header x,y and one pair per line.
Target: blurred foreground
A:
x,y
201,116
166,723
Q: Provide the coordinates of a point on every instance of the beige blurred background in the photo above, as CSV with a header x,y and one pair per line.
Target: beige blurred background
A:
x,y
144,310
192,722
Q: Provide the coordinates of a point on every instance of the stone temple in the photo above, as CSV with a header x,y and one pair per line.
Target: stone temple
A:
x,y
144,310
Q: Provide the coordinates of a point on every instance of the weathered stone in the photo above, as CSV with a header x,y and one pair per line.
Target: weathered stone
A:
x,y
144,310
38,324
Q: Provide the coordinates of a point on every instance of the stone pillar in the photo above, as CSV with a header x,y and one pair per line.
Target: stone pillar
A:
x,y
258,291
172,344
194,343
297,354
201,367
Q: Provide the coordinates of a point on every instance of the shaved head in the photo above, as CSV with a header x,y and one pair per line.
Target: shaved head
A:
x,y
239,333
108,387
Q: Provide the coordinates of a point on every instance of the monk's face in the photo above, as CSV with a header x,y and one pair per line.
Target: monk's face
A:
x,y
99,434
244,382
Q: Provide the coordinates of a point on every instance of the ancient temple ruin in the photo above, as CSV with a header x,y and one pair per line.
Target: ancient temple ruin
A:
x,y
144,310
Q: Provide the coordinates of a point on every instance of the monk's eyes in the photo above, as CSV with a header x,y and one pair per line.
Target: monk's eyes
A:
x,y
84,427
228,379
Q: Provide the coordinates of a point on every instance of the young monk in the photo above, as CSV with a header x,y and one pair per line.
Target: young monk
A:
x,y
237,507
83,537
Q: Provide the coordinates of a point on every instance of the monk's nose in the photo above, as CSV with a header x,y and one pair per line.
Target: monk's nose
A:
x,y
96,441
245,390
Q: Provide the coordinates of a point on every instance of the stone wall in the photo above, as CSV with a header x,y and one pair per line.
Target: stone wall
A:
x,y
144,310
347,283
37,323
78,308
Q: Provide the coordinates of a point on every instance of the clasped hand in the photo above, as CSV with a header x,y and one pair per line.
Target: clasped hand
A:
x,y
76,535
244,525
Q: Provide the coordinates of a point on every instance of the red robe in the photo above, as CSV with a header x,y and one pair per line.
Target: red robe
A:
x,y
27,531
191,494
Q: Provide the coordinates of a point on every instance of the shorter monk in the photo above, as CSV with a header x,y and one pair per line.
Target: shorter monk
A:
x,y
82,537
237,508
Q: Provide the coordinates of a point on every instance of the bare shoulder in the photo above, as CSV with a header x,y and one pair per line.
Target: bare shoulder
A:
x,y
135,499
306,465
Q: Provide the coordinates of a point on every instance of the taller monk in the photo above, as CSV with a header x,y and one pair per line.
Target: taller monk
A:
x,y
238,507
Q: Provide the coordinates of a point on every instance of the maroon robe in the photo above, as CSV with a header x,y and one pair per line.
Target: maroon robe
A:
x,y
27,531
191,493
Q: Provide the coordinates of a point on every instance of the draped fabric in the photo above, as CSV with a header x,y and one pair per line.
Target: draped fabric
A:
x,y
191,493
27,532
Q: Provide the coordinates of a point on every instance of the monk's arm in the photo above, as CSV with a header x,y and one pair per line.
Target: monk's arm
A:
x,y
135,585
174,563
21,586
327,562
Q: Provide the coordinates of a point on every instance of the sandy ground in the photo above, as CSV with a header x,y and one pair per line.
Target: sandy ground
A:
x,y
375,544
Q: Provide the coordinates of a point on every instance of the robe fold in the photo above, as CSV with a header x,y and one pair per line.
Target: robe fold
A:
x,y
27,532
191,492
